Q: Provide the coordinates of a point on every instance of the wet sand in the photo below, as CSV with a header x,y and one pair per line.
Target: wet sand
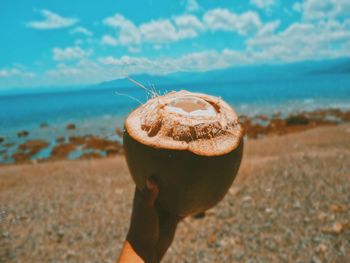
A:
x,y
290,203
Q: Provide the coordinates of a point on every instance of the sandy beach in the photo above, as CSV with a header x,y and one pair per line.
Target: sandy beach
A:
x,y
289,203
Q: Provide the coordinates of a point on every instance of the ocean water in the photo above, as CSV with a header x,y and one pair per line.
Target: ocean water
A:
x,y
100,111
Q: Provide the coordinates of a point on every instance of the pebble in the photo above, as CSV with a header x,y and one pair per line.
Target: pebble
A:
x,y
338,208
315,259
321,248
269,210
246,198
335,229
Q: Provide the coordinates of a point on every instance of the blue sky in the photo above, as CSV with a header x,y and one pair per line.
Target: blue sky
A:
x,y
53,43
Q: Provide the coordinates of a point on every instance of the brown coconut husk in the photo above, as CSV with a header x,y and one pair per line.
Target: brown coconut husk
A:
x,y
192,143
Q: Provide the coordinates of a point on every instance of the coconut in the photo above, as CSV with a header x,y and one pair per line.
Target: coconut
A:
x,y
190,143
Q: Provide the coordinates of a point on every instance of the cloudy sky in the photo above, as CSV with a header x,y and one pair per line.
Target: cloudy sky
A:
x,y
68,42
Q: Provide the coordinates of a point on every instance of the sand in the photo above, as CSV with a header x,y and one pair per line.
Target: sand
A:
x,y
290,203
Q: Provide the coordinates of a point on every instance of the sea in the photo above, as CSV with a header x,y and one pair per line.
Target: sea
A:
x,y
100,111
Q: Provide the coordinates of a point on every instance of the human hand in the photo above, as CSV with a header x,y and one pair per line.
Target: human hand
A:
x,y
151,229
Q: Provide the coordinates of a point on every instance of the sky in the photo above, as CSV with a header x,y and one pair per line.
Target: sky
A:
x,y
78,42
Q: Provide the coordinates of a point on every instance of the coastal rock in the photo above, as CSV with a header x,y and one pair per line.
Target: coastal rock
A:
x,y
299,119
262,117
277,126
60,139
293,123
254,131
101,144
277,114
243,118
44,125
21,157
2,139
119,132
71,126
77,140
112,151
5,156
62,151
345,116
247,126
22,133
33,147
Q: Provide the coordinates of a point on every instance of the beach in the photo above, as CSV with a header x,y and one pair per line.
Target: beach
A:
x,y
289,203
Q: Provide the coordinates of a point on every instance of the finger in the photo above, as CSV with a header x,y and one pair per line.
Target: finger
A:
x,y
167,228
150,192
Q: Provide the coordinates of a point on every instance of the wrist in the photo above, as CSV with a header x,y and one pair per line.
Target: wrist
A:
x,y
143,246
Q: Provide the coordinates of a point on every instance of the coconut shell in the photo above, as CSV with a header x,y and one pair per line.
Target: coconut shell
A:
x,y
193,167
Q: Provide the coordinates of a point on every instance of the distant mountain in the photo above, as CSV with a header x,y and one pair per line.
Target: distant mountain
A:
x,y
184,80
144,79
236,74
337,67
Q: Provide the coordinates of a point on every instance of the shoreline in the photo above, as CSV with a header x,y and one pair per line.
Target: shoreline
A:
x,y
75,145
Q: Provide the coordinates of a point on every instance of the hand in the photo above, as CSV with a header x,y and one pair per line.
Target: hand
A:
x,y
151,229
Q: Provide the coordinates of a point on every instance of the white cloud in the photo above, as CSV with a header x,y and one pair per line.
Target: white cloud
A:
x,y
132,49
198,61
164,31
81,30
302,41
159,31
129,34
70,53
269,28
186,26
63,70
223,19
83,72
16,71
297,7
155,32
114,41
188,21
263,4
108,68
125,61
316,9
109,40
192,6
157,47
4,73
52,21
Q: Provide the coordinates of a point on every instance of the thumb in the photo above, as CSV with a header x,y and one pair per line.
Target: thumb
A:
x,y
150,192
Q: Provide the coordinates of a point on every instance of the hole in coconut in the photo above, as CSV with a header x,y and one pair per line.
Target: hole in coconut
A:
x,y
191,106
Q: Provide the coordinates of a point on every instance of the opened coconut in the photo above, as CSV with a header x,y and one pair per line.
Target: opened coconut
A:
x,y
190,143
